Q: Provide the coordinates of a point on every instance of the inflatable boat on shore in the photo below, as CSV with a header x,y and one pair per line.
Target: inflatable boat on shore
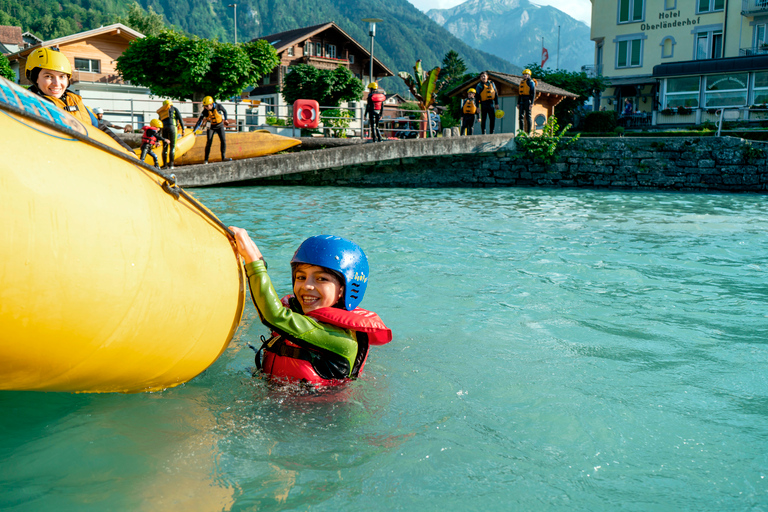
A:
x,y
240,145
112,279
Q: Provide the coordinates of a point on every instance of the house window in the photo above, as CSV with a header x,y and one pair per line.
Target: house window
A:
x,y
290,51
703,6
351,58
308,47
89,65
667,47
726,90
761,43
330,51
760,88
629,51
319,49
631,11
682,92
709,44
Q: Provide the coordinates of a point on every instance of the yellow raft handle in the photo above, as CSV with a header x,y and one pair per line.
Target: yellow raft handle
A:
x,y
169,185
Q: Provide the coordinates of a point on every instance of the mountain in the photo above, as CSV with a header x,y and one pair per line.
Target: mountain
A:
x,y
405,35
512,29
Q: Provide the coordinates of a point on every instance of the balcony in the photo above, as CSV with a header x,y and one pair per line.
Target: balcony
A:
x,y
755,50
752,7
327,62
88,76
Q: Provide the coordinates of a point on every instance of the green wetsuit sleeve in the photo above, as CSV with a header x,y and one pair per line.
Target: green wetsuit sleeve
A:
x,y
297,326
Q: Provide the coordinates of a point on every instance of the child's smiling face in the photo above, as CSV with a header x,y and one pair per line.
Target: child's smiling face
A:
x,y
315,287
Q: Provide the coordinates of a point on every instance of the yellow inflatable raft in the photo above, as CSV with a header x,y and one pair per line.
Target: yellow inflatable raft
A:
x,y
111,278
240,145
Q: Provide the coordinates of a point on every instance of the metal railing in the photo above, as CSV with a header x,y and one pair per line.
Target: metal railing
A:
x,y
754,50
750,7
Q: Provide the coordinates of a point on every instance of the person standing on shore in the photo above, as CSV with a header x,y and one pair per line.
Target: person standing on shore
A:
x,y
488,102
374,108
171,117
468,113
216,116
525,100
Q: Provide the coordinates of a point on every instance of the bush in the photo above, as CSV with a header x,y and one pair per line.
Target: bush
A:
x,y
447,120
600,122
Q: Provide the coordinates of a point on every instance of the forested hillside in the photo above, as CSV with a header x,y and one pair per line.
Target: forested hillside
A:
x,y
405,35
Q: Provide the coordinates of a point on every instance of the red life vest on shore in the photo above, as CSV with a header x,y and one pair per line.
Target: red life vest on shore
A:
x,y
378,100
292,367
149,136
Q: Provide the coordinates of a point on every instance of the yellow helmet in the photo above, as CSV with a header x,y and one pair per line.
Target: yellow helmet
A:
x,y
167,102
526,71
207,101
373,85
47,58
156,123
472,91
499,114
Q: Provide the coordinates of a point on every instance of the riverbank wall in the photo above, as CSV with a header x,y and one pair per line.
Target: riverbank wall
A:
x,y
682,164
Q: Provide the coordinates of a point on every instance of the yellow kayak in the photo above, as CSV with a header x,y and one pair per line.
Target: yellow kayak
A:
x,y
108,283
183,144
240,145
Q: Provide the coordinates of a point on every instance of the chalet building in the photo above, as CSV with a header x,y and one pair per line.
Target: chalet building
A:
x,y
11,39
679,61
324,46
547,97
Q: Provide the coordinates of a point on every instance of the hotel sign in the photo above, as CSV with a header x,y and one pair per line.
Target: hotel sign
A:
x,y
666,21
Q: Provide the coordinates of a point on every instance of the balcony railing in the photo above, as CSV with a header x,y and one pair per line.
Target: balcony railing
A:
x,y
752,7
755,50
104,78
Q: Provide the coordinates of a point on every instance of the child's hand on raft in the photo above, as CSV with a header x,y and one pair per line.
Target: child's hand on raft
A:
x,y
245,246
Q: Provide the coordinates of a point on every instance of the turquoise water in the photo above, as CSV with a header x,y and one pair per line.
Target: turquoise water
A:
x,y
554,350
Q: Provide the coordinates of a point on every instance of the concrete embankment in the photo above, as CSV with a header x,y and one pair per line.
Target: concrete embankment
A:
x,y
682,164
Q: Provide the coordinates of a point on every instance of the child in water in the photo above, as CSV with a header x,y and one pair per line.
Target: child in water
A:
x,y
319,335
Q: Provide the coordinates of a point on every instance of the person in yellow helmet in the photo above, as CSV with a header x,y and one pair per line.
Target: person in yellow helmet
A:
x,y
216,116
488,101
526,98
49,71
468,113
374,108
149,139
171,119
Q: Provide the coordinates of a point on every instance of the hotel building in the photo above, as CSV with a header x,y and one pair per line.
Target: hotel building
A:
x,y
680,61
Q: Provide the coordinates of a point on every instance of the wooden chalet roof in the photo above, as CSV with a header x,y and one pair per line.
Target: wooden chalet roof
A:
x,y
115,29
281,41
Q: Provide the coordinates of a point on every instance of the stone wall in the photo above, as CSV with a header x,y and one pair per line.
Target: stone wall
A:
x,y
689,164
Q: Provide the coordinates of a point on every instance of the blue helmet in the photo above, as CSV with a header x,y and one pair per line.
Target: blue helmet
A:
x,y
341,256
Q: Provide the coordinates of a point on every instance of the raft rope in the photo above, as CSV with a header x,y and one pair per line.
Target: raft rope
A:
x,y
169,185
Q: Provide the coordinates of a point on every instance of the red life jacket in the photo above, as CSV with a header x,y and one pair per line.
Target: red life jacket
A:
x,y
378,100
296,369
149,136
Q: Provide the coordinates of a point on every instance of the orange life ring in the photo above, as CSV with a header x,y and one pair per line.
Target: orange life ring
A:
x,y
306,114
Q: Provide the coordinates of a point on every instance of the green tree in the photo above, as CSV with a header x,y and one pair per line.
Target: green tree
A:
x,y
572,81
453,67
5,69
329,87
173,65
424,87
147,22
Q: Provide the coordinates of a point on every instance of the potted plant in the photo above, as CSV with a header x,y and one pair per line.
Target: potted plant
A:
x,y
667,111
683,111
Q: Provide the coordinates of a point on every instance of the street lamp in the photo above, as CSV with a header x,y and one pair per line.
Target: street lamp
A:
x,y
372,32
235,6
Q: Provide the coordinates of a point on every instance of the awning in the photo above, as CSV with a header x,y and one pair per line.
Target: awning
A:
x,y
712,66
638,80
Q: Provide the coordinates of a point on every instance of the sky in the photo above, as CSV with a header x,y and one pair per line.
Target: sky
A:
x,y
578,9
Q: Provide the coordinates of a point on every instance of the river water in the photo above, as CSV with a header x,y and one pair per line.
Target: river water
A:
x,y
553,350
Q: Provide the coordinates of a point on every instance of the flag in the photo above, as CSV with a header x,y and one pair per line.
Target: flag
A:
x,y
544,56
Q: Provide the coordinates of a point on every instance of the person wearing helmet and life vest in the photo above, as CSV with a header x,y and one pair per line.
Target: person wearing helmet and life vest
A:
x,y
525,100
216,116
171,119
488,101
50,73
150,138
320,336
374,108
103,123
468,113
